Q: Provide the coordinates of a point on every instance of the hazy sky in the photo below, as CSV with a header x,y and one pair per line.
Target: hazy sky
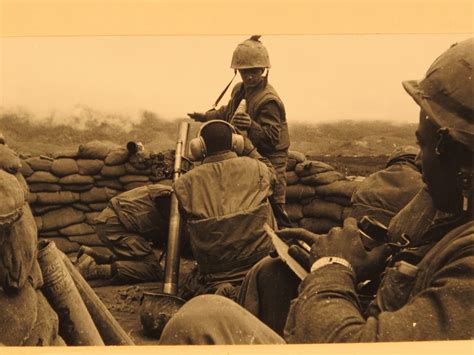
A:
x,y
319,78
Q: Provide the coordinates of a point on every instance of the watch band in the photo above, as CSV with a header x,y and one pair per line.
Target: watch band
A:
x,y
327,260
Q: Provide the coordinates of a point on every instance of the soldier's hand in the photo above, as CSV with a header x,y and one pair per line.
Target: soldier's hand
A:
x,y
296,251
346,243
197,116
242,121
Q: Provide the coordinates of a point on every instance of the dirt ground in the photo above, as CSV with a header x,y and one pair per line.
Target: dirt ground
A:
x,y
123,301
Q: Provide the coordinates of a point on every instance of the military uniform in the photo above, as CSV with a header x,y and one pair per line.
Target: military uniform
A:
x,y
268,131
224,202
128,225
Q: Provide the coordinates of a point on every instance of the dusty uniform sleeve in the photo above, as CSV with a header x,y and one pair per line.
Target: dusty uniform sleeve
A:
x,y
219,114
269,126
327,309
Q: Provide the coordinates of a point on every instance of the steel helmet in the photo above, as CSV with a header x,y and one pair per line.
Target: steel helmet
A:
x,y
446,94
250,54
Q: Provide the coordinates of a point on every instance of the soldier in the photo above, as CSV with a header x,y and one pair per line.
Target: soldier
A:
x,y
426,293
127,227
264,120
224,202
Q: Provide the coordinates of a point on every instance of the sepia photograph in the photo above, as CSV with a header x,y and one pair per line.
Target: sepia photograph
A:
x,y
274,188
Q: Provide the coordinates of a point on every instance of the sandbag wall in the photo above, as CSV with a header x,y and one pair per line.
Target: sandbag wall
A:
x,y
69,189
317,196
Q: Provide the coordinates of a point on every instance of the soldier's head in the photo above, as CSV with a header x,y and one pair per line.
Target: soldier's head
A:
x,y
215,137
251,59
446,128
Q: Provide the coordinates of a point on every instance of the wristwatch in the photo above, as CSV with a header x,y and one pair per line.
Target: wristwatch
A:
x,y
327,260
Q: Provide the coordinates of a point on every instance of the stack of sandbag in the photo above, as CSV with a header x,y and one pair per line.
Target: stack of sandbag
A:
x,y
26,318
318,196
70,188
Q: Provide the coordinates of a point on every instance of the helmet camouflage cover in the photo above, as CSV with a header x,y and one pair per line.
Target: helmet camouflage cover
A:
x,y
445,93
250,54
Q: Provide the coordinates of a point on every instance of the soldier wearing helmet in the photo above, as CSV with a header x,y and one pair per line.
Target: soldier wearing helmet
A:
x,y
263,121
426,291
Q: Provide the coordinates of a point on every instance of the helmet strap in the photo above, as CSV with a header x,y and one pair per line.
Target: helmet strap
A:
x,y
224,91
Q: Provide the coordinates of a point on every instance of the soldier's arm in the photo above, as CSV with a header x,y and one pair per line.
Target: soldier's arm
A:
x,y
219,114
268,130
327,308
251,152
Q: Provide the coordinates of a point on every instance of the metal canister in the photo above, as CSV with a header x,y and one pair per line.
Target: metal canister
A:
x,y
76,326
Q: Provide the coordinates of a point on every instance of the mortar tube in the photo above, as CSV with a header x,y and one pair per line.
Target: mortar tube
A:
x,y
75,323
110,330
170,282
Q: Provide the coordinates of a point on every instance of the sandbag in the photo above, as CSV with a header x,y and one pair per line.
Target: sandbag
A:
x,y
77,229
98,194
295,211
91,216
133,178
18,251
44,187
98,206
311,167
89,166
291,178
291,164
78,188
42,176
25,169
57,198
9,160
64,166
39,210
113,171
325,178
12,195
117,156
41,163
96,149
338,188
46,326
134,185
340,200
346,212
24,185
67,153
18,315
63,244
318,225
87,239
57,219
39,222
299,191
130,169
50,234
298,156
323,209
81,207
32,198
76,179
111,183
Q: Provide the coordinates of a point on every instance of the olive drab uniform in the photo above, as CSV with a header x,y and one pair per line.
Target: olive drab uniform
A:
x,y
127,227
385,192
268,131
225,205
